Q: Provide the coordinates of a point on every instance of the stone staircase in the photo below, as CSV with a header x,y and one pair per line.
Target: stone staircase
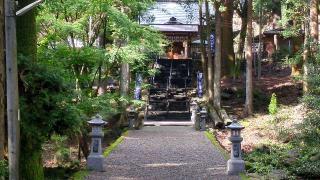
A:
x,y
168,96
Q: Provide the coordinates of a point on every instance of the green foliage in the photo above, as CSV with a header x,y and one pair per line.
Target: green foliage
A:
x,y
80,175
46,108
235,70
45,97
308,163
265,159
266,5
293,11
62,152
59,84
304,163
295,59
273,106
60,173
310,129
4,169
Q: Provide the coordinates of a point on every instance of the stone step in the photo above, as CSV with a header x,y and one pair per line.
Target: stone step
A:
x,y
168,123
168,115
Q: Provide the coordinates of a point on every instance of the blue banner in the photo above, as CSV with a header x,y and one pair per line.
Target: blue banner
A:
x,y
212,42
200,84
137,91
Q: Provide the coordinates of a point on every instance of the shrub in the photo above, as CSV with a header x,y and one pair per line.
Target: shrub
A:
x,y
4,169
62,152
308,164
273,107
264,159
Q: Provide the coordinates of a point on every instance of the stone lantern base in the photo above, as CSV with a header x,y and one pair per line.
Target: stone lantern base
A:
x,y
95,163
235,167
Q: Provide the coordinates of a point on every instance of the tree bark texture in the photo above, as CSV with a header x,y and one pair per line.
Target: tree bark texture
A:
x,y
203,47
228,55
242,39
84,145
296,69
209,52
260,43
31,163
314,25
31,159
2,83
26,32
124,79
249,57
310,34
217,58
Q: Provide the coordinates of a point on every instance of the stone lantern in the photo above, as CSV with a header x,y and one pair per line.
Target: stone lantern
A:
x,y
131,117
203,118
193,108
95,159
235,164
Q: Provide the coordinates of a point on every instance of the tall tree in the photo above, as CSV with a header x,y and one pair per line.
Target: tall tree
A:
x,y
124,79
30,157
260,41
202,45
217,58
314,25
124,74
26,32
306,55
276,14
228,56
209,53
296,15
2,84
249,57
242,11
312,33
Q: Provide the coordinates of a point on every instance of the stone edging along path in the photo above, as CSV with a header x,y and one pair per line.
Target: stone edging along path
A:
x,y
164,152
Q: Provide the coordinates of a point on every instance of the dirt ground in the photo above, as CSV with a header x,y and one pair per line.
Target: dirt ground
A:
x,y
261,127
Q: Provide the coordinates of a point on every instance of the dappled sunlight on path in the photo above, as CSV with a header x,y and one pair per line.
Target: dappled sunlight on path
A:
x,y
164,152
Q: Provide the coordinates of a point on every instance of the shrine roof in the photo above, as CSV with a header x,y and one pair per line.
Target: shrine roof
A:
x,y
185,12
176,27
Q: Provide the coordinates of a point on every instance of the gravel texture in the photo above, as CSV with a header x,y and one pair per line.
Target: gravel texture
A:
x,y
164,152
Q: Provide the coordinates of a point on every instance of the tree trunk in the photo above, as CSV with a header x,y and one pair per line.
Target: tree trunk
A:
x,y
249,79
31,163
2,84
227,38
276,14
203,48
83,145
124,79
124,91
296,69
31,160
314,26
243,34
311,32
260,42
209,52
26,32
305,57
217,67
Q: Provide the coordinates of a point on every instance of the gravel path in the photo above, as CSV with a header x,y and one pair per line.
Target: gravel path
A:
x,y
164,152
